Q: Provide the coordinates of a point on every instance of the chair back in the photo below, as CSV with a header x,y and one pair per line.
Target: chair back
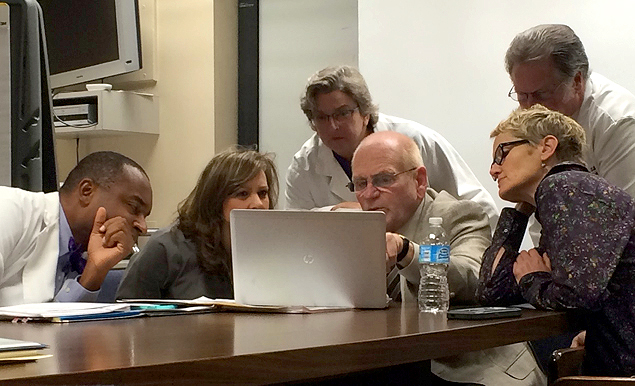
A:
x,y
566,366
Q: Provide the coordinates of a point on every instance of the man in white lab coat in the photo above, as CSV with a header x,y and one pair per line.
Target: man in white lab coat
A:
x,y
60,246
548,65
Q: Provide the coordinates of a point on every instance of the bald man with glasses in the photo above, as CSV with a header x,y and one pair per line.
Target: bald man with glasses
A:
x,y
389,176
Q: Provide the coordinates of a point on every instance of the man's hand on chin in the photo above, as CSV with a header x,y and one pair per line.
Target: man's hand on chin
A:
x,y
110,241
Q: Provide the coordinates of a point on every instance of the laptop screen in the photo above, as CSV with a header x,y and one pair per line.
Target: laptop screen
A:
x,y
309,258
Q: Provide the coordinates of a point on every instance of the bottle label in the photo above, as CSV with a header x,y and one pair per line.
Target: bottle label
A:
x,y
434,254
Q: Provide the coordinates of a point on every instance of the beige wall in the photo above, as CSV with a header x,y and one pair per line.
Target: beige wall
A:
x,y
196,76
225,73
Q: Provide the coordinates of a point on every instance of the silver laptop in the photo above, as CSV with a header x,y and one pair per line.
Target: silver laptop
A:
x,y
309,258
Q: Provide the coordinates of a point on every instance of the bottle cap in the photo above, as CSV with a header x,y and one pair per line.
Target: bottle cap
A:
x,y
435,220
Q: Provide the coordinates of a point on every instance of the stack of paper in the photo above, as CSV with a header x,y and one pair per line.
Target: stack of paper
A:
x,y
130,308
12,350
65,312
231,305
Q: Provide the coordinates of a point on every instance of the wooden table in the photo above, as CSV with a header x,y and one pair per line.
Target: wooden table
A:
x,y
257,348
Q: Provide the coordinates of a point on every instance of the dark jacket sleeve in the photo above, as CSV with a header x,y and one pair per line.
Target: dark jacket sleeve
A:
x,y
147,273
500,287
587,225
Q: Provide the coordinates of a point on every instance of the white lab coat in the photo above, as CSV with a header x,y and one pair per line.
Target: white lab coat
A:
x,y
607,115
29,245
316,180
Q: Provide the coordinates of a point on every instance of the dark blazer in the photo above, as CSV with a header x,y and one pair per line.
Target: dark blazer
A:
x,y
167,268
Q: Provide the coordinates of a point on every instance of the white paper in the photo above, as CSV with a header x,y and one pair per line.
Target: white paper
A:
x,y
52,310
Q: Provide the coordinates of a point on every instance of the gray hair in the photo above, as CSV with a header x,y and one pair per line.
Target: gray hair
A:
x,y
346,79
537,122
555,41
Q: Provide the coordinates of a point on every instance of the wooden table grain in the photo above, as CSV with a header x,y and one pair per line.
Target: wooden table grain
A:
x,y
250,348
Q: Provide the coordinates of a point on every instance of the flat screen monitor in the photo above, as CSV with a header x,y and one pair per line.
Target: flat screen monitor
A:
x,y
91,39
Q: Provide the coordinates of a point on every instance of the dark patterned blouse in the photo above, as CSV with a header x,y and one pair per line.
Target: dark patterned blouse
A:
x,y
588,232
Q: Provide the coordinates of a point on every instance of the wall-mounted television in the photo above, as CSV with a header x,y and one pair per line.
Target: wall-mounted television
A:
x,y
91,39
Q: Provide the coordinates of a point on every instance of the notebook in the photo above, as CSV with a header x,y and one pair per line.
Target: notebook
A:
x,y
13,350
309,258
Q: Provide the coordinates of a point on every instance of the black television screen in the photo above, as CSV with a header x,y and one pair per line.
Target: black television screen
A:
x,y
89,40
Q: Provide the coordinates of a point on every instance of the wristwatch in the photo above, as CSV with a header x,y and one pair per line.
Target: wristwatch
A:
x,y
404,250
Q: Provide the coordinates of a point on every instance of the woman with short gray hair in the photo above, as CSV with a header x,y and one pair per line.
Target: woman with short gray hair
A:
x,y
585,261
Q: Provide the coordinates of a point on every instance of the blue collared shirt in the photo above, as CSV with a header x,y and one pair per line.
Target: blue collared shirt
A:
x,y
67,288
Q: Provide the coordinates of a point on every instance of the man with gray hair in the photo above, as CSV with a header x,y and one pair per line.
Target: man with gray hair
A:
x,y
548,65
390,176
340,110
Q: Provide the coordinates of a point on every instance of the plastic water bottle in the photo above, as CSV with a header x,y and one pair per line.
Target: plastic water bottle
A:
x,y
434,258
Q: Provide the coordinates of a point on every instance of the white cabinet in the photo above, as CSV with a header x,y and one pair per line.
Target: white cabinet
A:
x,y
103,113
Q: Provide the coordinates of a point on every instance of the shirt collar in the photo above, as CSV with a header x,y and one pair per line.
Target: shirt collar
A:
x,y
65,232
564,166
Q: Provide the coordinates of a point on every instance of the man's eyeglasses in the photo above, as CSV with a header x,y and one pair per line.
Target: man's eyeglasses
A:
x,y
340,116
536,96
504,148
379,180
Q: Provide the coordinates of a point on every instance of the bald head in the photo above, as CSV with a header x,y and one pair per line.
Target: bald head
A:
x,y
400,148
388,175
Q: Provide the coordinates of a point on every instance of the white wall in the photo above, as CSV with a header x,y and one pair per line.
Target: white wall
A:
x,y
436,62
441,63
297,38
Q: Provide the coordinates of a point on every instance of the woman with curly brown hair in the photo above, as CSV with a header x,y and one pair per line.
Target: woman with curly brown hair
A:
x,y
192,257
